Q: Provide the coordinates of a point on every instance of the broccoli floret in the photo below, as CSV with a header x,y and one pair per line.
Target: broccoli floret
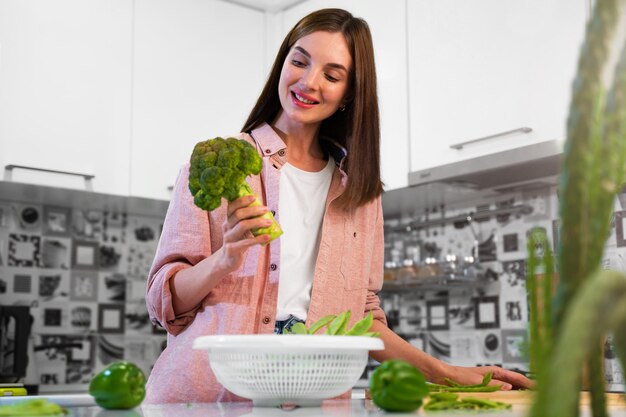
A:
x,y
219,168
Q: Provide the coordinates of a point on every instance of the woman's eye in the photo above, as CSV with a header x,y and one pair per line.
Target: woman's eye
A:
x,y
297,63
331,78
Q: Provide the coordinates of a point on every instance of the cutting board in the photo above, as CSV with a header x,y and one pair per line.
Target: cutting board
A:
x,y
526,397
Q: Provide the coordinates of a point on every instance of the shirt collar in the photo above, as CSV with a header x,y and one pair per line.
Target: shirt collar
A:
x,y
270,144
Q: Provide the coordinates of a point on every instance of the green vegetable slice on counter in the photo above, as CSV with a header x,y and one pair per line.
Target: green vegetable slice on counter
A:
x,y
337,325
397,385
456,387
33,407
121,385
442,401
218,168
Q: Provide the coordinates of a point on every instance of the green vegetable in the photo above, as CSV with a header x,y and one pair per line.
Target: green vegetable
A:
x,y
397,385
447,401
362,326
456,387
299,328
337,325
121,385
218,168
33,407
321,323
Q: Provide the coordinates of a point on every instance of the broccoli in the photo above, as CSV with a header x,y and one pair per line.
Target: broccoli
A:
x,y
219,168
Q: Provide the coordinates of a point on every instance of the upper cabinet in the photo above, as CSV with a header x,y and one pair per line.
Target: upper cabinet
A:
x,y
387,22
481,68
197,72
65,91
123,90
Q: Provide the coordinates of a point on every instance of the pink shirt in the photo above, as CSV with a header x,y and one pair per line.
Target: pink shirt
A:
x,y
348,275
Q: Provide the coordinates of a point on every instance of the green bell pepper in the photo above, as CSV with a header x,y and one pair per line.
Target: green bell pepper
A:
x,y
121,385
397,385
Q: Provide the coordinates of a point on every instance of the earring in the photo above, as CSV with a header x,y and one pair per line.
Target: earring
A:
x,y
342,107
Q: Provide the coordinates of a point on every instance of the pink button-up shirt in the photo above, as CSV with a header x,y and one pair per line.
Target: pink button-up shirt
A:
x,y
348,274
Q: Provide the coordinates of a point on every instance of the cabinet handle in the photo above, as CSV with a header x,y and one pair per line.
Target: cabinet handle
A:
x,y
8,174
459,146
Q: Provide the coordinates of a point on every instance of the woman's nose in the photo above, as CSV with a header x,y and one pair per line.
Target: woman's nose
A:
x,y
309,80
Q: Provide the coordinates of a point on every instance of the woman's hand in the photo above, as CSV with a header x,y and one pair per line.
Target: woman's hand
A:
x,y
241,218
474,375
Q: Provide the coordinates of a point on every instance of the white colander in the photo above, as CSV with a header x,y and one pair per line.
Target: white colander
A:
x,y
297,369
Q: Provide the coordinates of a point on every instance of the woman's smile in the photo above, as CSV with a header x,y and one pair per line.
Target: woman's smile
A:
x,y
303,100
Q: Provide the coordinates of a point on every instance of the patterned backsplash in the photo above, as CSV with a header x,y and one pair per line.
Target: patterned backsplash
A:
x,y
83,274
477,321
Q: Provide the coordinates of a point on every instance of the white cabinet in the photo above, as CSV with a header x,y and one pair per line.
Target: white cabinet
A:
x,y
65,90
197,72
481,67
387,23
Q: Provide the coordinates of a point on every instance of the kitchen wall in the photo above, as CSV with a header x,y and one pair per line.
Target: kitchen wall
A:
x,y
476,312
82,271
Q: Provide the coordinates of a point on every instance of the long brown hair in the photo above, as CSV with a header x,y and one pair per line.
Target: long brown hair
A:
x,y
357,128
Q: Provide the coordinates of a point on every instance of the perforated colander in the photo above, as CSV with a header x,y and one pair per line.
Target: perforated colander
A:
x,y
296,369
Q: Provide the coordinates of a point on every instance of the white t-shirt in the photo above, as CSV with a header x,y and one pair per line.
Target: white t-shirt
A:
x,y
301,207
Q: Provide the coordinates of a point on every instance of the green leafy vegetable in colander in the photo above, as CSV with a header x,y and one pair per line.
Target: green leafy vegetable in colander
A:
x,y
337,325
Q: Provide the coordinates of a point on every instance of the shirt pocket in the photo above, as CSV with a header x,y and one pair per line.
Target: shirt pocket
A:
x,y
354,258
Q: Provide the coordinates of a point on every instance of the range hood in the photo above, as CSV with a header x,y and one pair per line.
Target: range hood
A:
x,y
523,164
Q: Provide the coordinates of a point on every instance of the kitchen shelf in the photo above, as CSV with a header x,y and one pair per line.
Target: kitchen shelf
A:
x,y
436,283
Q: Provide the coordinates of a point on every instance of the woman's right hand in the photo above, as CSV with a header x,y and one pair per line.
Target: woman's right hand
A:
x,y
241,218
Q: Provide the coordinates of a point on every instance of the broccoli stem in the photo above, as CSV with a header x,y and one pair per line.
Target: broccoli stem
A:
x,y
272,230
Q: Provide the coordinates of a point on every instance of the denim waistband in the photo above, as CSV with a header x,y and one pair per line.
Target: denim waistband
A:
x,y
281,325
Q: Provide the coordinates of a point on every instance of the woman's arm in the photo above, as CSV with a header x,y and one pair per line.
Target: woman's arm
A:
x,y
185,269
190,286
435,370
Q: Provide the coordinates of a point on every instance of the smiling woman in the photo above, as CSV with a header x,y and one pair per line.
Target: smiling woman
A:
x,y
316,126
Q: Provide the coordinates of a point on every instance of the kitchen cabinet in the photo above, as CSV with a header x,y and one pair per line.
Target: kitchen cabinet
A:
x,y
478,68
387,23
65,82
197,72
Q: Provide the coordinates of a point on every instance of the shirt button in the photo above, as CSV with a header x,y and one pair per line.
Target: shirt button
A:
x,y
281,152
268,151
273,267
266,319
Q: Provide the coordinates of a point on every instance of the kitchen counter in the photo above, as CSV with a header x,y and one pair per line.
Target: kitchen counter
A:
x,y
81,406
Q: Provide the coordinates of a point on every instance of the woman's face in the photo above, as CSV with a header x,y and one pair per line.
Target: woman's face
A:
x,y
315,78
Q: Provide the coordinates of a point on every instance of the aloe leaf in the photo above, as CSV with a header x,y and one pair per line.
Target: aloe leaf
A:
x,y
599,307
575,182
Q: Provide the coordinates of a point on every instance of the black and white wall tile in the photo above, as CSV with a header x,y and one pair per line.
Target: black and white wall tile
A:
x,y
487,323
83,275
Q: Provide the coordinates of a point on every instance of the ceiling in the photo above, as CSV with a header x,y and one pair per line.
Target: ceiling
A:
x,y
272,6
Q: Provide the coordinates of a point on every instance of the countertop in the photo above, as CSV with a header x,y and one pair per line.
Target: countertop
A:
x,y
81,405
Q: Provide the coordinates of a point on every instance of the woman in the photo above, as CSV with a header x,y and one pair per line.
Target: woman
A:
x,y
316,125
